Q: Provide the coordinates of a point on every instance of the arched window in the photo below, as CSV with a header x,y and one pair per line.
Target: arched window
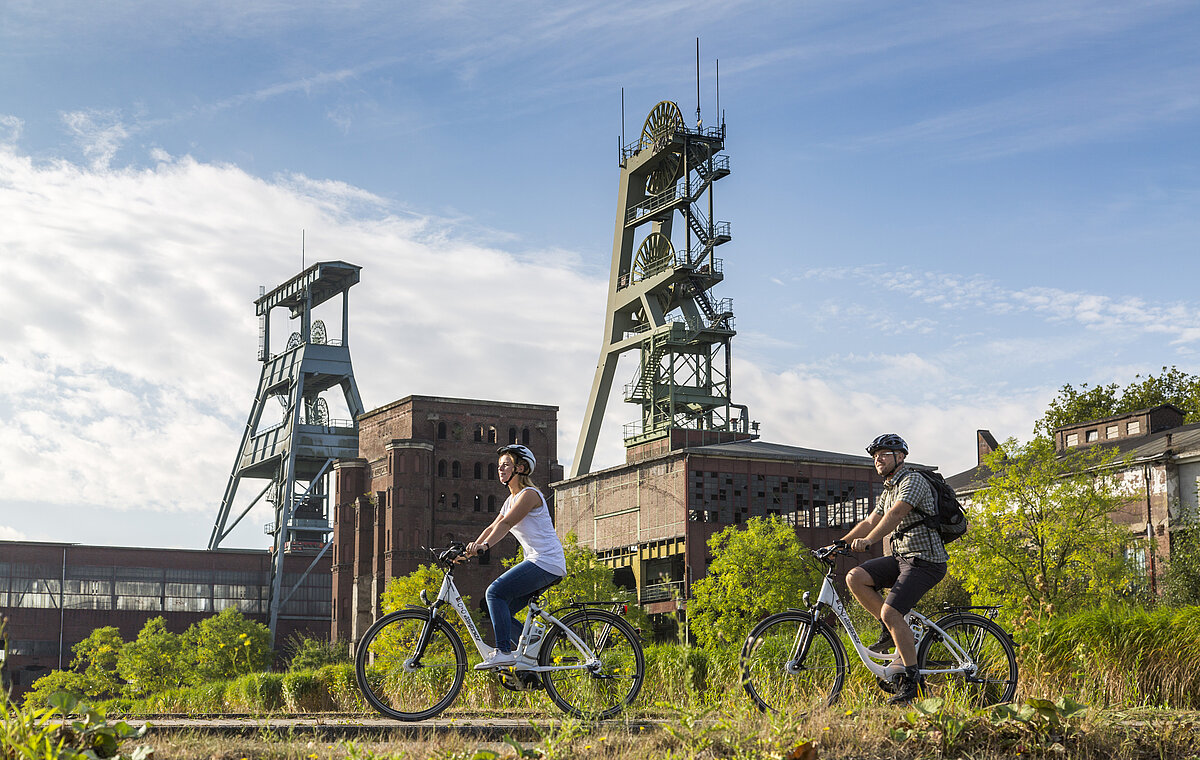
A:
x,y
491,472
441,431
454,501
455,469
479,434
525,436
491,503
478,470
512,435
478,499
441,468
492,434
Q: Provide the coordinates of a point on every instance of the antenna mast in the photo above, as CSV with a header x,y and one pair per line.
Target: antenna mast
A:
x,y
699,123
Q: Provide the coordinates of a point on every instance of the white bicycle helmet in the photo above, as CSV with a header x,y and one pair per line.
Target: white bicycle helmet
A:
x,y
521,452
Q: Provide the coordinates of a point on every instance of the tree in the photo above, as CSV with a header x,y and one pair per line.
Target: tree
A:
x,y
227,645
152,662
96,660
756,570
1092,403
1180,581
1041,528
589,579
406,590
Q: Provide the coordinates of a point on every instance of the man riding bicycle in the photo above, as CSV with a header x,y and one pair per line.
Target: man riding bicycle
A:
x,y
916,561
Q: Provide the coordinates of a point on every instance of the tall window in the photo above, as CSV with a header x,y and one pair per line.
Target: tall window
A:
x,y
525,436
512,435
478,470
491,471
491,434
491,503
441,468
441,431
479,434
455,469
478,499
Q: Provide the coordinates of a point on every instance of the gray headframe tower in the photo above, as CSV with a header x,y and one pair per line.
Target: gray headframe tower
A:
x,y
659,292
296,455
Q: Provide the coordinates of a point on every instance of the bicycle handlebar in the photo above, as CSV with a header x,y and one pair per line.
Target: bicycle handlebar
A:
x,y
448,555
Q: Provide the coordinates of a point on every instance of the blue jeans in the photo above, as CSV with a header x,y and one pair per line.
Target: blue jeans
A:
x,y
509,594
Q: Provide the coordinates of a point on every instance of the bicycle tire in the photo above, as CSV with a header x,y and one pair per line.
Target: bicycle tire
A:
x,y
602,692
990,648
392,686
771,674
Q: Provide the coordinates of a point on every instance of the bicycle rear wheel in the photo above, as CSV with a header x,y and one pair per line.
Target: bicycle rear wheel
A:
x,y
992,669
397,683
791,662
601,689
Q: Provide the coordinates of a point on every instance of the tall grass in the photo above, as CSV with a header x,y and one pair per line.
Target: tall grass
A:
x,y
1117,656
1110,657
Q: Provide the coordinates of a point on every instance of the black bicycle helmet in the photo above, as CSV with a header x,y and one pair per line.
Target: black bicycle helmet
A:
x,y
519,452
889,441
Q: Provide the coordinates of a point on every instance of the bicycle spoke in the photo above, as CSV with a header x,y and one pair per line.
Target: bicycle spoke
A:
x,y
397,682
585,689
779,674
990,654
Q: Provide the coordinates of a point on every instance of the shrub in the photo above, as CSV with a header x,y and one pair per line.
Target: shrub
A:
x,y
302,692
52,683
338,682
313,654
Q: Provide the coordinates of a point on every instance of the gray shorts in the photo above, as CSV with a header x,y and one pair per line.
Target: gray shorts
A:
x,y
908,579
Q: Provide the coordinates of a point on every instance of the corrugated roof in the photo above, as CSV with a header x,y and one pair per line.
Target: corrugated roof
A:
x,y
765,450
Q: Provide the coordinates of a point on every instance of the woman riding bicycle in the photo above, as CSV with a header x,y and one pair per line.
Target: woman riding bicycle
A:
x,y
527,517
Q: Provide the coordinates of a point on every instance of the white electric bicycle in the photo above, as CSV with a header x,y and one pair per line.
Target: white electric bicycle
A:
x,y
410,664
795,661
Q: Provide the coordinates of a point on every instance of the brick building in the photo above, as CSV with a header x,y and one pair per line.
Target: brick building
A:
x,y
55,594
1162,465
425,476
655,514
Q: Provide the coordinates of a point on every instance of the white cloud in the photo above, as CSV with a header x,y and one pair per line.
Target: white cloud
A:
x,y
10,130
99,134
10,534
127,365
802,407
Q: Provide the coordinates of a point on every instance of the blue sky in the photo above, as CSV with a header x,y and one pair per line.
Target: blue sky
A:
x,y
941,213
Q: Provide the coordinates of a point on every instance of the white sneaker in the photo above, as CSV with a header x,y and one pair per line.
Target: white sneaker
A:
x,y
497,659
524,662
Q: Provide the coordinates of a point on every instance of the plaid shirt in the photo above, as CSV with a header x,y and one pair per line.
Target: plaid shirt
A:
x,y
921,541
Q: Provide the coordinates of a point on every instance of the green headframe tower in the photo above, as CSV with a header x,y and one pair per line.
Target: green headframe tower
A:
x,y
295,455
660,299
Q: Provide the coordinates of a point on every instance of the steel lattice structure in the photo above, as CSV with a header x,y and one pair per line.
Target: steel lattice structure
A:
x,y
659,299
296,456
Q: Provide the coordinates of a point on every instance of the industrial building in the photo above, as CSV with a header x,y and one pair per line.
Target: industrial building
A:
x,y
55,594
426,476
655,514
1162,463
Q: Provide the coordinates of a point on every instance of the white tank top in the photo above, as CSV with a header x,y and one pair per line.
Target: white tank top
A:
x,y
536,535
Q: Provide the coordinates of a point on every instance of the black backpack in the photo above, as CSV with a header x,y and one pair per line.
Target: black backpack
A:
x,y
949,521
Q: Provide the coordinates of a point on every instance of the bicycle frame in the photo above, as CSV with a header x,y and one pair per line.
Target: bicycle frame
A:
x,y
828,597
449,594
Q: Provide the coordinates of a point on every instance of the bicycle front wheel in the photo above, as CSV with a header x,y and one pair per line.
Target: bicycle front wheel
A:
x,y
990,675
597,689
792,662
400,682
